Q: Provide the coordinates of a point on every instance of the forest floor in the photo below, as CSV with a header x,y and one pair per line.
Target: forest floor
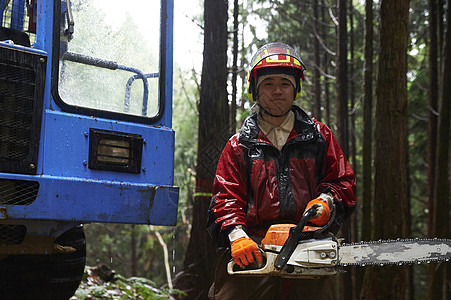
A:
x,y
100,282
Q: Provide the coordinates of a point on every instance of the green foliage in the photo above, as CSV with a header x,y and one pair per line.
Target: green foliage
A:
x,y
136,288
185,124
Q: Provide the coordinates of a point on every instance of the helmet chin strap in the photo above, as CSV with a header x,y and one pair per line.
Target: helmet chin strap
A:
x,y
270,114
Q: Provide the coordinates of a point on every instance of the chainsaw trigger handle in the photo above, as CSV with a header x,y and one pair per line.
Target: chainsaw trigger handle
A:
x,y
296,233
292,240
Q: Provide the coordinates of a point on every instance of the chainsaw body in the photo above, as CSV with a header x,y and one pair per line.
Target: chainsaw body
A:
x,y
312,258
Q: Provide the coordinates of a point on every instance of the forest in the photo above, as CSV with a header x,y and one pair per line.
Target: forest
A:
x,y
378,75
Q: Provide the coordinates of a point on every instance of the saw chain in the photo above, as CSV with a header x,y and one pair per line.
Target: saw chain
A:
x,y
394,252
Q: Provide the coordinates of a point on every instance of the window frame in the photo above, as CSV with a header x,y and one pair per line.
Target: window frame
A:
x,y
163,57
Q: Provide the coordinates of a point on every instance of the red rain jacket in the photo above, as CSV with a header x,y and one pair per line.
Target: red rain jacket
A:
x,y
256,185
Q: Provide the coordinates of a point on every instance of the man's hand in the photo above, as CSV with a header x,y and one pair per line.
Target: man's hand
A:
x,y
245,251
322,204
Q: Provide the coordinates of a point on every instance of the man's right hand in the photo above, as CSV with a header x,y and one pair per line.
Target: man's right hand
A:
x,y
323,204
245,251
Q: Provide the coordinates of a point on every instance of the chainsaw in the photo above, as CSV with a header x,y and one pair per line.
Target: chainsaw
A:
x,y
300,251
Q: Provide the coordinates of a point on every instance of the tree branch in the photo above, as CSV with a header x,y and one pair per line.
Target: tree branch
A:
x,y
166,257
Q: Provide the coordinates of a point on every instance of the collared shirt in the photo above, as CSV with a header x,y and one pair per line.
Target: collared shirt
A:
x,y
278,135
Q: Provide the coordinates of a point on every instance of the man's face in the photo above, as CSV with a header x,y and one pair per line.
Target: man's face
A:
x,y
276,94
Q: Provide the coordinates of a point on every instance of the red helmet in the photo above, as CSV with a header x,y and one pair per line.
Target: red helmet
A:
x,y
275,58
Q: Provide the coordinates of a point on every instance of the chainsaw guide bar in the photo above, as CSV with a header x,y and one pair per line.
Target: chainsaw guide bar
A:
x,y
394,252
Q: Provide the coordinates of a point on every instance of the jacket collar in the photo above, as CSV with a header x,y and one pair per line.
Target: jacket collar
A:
x,y
304,128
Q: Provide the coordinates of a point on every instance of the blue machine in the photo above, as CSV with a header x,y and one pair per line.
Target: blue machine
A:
x,y
85,126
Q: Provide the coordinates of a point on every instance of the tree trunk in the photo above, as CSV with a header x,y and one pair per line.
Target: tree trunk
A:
x,y
432,131
367,199
235,53
325,63
133,249
342,77
342,120
367,202
242,72
316,76
353,150
197,275
391,203
433,108
441,26
438,283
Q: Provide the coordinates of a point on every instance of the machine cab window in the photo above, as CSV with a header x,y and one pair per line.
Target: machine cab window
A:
x,y
114,68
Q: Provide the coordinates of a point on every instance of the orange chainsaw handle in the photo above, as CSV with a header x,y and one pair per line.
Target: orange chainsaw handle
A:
x,y
295,233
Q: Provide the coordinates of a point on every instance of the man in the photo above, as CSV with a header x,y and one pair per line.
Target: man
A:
x,y
279,163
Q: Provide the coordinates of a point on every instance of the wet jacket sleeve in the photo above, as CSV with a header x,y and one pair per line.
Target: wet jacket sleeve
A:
x,y
229,203
337,176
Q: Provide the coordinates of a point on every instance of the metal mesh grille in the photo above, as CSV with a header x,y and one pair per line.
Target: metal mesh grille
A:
x,y
12,234
18,192
16,110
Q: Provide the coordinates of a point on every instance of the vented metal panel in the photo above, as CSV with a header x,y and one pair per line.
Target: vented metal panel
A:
x,y
12,234
18,192
16,110
22,76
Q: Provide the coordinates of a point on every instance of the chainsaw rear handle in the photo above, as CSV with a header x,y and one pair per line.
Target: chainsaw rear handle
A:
x,y
295,234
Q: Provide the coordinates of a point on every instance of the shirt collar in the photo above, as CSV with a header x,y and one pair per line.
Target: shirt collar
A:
x,y
287,125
